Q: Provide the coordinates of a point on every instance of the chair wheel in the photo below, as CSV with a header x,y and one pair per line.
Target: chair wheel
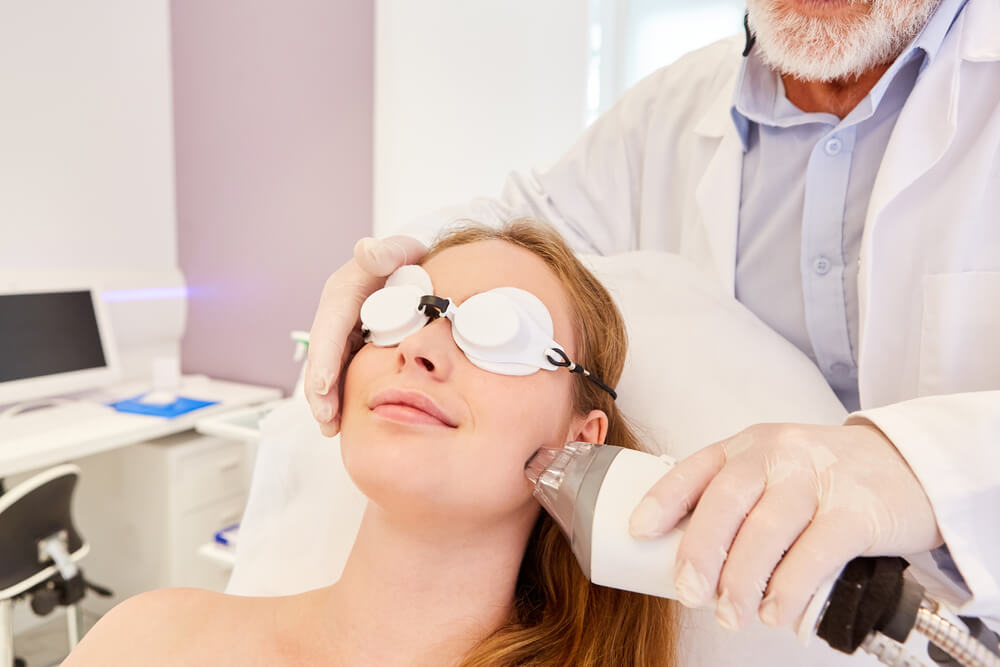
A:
x,y
45,599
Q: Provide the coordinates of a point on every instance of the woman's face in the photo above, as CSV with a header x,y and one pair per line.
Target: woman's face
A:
x,y
466,463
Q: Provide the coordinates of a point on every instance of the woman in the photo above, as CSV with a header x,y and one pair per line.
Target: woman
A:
x,y
454,563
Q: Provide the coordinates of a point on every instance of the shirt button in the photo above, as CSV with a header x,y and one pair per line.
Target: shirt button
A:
x,y
840,368
821,265
832,146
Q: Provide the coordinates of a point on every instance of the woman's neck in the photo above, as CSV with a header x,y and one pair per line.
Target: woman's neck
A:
x,y
418,595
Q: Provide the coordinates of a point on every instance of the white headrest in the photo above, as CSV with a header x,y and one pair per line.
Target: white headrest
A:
x,y
700,366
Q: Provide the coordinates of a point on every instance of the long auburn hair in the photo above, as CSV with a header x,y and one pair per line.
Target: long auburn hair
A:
x,y
559,618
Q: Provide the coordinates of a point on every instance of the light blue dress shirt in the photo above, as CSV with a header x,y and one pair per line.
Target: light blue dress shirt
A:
x,y
807,180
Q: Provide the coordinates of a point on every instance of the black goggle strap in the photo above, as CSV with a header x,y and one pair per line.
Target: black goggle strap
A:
x,y
750,37
433,306
564,362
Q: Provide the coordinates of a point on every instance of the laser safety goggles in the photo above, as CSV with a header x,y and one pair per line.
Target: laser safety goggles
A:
x,y
505,330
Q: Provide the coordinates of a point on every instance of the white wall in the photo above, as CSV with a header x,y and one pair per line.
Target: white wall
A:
x,y
641,36
469,90
273,106
86,147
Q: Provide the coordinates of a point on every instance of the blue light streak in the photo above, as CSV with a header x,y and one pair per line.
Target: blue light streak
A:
x,y
147,294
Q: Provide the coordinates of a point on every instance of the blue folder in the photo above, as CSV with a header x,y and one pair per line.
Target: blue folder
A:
x,y
169,410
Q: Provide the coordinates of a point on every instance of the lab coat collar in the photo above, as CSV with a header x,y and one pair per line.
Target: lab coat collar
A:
x,y
717,120
932,108
718,190
981,38
718,198
932,36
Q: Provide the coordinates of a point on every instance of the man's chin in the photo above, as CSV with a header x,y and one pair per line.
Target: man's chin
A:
x,y
821,70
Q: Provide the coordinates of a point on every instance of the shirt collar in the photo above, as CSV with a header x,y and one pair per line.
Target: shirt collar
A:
x,y
760,96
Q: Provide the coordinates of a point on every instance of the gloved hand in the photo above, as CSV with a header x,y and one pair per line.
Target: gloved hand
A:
x,y
781,508
337,317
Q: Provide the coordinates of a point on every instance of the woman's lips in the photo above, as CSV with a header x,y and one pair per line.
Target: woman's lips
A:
x,y
411,407
405,413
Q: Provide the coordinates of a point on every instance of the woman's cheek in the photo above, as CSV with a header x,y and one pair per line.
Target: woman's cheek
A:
x,y
520,414
495,482
362,366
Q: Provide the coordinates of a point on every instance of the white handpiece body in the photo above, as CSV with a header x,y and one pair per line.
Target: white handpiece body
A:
x,y
617,559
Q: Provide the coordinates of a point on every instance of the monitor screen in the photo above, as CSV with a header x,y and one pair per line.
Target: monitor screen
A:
x,y
48,333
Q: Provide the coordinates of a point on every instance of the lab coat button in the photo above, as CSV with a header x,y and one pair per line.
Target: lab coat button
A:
x,y
833,146
821,265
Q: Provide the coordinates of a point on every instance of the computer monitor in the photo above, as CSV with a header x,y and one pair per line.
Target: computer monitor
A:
x,y
55,337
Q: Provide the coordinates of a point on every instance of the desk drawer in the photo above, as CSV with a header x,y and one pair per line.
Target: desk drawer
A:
x,y
211,472
196,528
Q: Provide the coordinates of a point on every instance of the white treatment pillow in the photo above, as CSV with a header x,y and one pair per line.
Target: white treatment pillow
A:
x,y
303,512
701,367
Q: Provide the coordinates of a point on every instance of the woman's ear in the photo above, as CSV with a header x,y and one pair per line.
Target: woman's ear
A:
x,y
592,427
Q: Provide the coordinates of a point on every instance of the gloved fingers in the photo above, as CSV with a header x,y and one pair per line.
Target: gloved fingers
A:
x,y
822,550
676,493
775,522
336,316
380,257
714,524
325,407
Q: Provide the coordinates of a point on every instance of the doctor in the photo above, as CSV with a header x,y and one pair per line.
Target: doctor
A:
x,y
840,174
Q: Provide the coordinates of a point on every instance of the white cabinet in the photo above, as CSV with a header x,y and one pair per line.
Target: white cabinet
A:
x,y
145,509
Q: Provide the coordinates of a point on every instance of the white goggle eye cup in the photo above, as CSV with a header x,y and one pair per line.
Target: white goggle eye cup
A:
x,y
391,314
499,331
487,320
411,274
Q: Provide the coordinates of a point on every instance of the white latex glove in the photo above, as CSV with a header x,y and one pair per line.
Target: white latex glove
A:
x,y
335,336
779,508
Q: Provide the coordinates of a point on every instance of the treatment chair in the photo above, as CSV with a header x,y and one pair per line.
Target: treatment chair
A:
x,y
39,553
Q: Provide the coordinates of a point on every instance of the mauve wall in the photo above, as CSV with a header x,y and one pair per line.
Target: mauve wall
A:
x,y
273,108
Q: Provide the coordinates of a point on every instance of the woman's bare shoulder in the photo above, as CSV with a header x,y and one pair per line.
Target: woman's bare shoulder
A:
x,y
174,626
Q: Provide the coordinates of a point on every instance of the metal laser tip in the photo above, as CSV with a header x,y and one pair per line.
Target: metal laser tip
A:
x,y
539,461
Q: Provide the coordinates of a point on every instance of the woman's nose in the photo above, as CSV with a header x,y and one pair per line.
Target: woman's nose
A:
x,y
429,350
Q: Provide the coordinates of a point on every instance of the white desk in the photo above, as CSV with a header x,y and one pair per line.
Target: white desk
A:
x,y
65,432
216,553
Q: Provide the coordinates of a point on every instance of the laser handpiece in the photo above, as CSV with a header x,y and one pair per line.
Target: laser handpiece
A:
x,y
590,491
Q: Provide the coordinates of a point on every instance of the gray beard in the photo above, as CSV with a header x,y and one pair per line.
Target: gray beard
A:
x,y
830,49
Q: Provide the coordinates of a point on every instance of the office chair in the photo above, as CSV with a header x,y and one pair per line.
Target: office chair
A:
x,y
40,549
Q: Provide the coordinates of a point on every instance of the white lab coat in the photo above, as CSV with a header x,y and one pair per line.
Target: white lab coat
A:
x,y
662,170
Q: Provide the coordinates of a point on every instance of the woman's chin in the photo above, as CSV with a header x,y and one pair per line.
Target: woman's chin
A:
x,y
392,461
